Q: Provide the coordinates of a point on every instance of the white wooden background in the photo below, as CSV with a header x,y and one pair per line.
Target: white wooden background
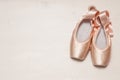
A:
x,y
35,37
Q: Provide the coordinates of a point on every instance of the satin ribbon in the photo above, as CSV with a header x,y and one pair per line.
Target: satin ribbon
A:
x,y
103,16
105,21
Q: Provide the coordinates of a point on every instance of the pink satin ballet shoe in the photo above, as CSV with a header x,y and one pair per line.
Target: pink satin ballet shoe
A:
x,y
82,35
101,41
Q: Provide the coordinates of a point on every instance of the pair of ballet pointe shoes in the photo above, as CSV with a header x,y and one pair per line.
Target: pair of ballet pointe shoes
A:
x,y
92,33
